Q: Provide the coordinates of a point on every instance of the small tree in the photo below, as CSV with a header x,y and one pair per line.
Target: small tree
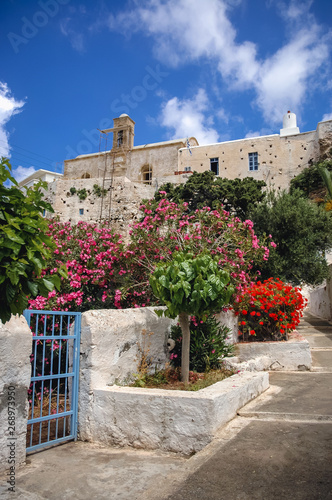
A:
x,y
172,229
24,246
302,231
190,285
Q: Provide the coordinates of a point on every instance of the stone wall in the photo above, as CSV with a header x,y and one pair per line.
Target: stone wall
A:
x,y
163,161
292,355
112,345
120,204
324,133
162,158
280,159
15,371
177,421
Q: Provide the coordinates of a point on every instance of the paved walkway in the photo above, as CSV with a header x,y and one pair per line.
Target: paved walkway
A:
x,y
279,447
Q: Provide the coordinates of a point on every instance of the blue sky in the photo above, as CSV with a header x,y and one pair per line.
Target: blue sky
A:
x,y
214,69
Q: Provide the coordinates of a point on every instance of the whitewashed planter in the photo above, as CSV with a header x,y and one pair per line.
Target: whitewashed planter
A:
x,y
177,421
293,354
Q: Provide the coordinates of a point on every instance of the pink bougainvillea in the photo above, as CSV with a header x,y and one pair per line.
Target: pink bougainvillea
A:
x,y
91,256
103,272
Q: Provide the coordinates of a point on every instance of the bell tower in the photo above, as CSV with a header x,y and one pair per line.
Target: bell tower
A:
x,y
123,133
123,143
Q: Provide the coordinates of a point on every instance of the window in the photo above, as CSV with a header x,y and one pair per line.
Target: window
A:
x,y
187,169
86,176
214,165
81,210
120,138
146,173
44,212
253,161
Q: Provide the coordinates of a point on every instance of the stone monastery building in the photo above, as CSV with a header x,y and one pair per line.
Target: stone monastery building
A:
x,y
127,173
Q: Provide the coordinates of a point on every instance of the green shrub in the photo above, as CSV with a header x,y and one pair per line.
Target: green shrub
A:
x,y
72,190
207,190
82,194
98,191
310,181
207,344
303,233
25,245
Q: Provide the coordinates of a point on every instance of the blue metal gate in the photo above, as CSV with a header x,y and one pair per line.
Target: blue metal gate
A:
x,y
53,393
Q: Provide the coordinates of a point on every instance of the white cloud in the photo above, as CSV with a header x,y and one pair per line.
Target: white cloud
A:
x,y
76,39
295,12
285,77
191,30
21,173
223,115
326,117
9,107
251,134
187,118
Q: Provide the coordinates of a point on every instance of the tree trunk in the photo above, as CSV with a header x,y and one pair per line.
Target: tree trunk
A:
x,y
184,324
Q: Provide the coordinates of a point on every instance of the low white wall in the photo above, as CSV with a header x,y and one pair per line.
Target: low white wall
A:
x,y
112,338
15,371
320,303
290,355
177,421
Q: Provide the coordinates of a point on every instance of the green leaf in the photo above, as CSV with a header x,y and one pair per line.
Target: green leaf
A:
x,y
47,284
33,287
13,276
37,262
11,245
164,281
55,280
10,293
12,235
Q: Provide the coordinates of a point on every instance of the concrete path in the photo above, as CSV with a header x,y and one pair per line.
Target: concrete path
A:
x,y
279,447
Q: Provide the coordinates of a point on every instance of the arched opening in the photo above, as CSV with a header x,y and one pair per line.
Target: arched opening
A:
x,y
146,174
120,138
86,176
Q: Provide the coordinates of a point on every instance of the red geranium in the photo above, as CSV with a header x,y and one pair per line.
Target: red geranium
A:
x,y
274,308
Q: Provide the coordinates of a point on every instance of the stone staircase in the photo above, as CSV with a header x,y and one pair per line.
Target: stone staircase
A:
x,y
318,332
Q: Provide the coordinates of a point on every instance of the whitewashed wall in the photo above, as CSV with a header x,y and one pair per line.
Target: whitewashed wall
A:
x,y
320,303
111,341
15,371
